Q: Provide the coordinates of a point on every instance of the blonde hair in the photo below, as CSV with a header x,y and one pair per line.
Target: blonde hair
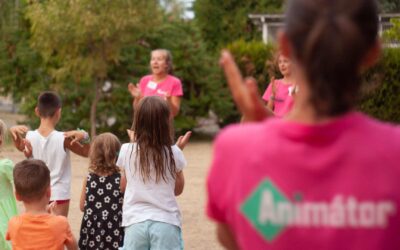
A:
x,y
103,154
168,59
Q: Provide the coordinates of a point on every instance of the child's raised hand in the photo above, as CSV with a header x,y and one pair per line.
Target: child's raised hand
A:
x,y
18,131
27,148
76,136
183,140
244,93
134,90
51,207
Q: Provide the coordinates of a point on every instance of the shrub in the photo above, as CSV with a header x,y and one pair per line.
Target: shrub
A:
x,y
381,92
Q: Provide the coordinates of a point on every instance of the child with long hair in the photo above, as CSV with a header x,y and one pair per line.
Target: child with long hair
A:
x,y
279,93
153,169
160,82
325,176
8,206
101,198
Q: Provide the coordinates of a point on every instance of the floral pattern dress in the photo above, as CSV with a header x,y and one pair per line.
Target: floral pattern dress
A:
x,y
101,223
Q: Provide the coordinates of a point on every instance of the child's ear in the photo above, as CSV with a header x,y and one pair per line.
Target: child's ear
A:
x,y
18,197
58,112
48,192
372,55
37,112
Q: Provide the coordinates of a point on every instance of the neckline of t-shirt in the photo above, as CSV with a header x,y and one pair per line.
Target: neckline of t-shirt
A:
x,y
284,83
165,79
45,137
333,127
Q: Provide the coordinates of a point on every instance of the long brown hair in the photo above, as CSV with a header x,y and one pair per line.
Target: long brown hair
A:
x,y
330,39
103,154
152,126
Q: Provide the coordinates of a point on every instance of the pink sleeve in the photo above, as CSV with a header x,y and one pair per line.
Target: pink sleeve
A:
x,y
216,184
177,88
267,93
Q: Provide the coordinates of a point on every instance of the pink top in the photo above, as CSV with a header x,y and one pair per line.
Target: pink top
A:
x,y
284,185
283,100
170,86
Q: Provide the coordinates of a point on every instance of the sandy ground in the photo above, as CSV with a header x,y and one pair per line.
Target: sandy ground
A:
x,y
198,231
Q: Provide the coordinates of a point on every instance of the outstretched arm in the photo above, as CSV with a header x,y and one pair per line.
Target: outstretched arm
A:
x,y
244,93
18,133
72,142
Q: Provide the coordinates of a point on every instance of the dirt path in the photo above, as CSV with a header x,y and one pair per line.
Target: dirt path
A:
x,y
198,231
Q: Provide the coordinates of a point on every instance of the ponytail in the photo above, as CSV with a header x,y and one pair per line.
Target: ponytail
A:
x,y
330,39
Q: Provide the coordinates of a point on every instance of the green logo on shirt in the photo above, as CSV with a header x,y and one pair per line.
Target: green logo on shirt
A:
x,y
254,211
270,211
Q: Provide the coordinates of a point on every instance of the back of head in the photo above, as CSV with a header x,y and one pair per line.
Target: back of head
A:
x,y
48,104
152,126
31,179
152,122
103,153
330,40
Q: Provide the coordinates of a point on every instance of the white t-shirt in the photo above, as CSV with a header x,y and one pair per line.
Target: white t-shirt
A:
x,y
149,200
51,150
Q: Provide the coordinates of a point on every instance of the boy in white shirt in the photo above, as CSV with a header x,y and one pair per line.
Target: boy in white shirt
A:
x,y
52,146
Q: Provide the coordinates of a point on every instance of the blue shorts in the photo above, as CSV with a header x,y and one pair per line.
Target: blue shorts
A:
x,y
152,235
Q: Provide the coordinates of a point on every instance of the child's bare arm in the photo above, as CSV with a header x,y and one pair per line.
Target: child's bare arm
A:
x,y
123,181
244,93
72,142
179,183
83,196
174,102
72,245
225,237
183,140
18,133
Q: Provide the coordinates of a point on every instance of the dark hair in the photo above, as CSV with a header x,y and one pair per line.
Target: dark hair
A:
x,y
152,126
330,39
103,154
31,179
48,104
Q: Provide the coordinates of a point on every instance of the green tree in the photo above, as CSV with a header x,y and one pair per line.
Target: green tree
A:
x,y
20,67
389,6
222,22
82,40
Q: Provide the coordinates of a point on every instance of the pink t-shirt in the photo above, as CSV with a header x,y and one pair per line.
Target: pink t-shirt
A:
x,y
283,100
170,86
284,185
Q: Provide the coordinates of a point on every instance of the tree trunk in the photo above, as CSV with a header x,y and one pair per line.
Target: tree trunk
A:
x,y
93,108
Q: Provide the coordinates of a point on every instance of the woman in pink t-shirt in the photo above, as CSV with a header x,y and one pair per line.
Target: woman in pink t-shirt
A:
x,y
279,94
160,82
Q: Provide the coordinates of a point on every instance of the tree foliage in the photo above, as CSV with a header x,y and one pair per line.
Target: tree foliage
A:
x,y
222,22
389,6
81,40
